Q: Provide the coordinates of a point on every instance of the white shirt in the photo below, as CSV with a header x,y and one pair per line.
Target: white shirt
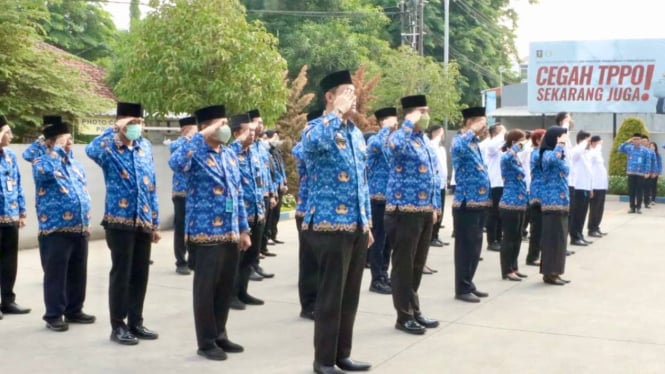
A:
x,y
580,160
442,160
493,160
452,178
598,170
525,158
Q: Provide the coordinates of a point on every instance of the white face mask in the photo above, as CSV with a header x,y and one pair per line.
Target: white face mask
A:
x,y
277,143
565,124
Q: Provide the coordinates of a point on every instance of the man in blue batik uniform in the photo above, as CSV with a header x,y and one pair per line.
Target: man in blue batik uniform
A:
x,y
216,226
178,194
472,198
336,223
413,199
377,176
636,155
131,218
242,130
63,213
12,218
308,271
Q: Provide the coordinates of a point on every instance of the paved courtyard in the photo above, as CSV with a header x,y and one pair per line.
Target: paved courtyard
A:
x,y
610,319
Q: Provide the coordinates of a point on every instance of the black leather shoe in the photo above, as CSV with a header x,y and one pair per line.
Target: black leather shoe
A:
x,y
563,280
277,241
595,234
380,287
143,332
215,354
121,335
494,246
57,325
436,243
554,281
588,242
250,300
254,276
269,254
533,263
638,211
468,297
80,317
259,270
631,211
521,275
601,233
578,242
228,346
479,293
411,327
236,304
512,277
183,270
307,314
322,369
427,322
350,365
13,308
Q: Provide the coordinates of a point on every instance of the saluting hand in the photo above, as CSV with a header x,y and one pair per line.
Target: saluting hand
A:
x,y
212,128
245,241
414,116
344,102
122,123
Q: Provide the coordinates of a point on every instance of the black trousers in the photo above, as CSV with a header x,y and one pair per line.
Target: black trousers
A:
x,y
525,222
411,234
308,272
578,214
635,187
341,259
130,258
179,245
596,210
493,223
249,258
266,228
273,220
511,221
379,251
468,243
64,259
555,232
437,225
213,289
535,232
8,262
650,189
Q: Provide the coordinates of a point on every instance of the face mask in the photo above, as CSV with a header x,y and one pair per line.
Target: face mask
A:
x,y
517,147
277,143
423,122
223,134
565,124
133,132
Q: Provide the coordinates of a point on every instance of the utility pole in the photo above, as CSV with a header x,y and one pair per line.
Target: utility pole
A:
x,y
413,24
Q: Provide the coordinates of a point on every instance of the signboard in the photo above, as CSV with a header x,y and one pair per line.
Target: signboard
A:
x,y
93,125
616,76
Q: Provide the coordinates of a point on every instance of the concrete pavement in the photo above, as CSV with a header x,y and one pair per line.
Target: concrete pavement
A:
x,y
608,320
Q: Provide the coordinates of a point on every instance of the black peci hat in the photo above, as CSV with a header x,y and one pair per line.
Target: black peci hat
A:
x,y
3,121
237,120
382,113
595,138
477,111
314,114
187,121
210,112
414,101
254,113
335,79
53,126
129,110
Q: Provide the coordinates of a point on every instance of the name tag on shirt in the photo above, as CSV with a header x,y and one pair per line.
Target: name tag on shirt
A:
x,y
10,185
229,206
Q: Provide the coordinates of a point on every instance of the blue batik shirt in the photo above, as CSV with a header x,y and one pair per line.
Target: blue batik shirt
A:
x,y
215,210
335,153
514,195
61,186
250,176
636,157
554,196
413,181
178,184
268,186
12,199
301,166
129,173
377,165
659,164
536,177
650,163
472,181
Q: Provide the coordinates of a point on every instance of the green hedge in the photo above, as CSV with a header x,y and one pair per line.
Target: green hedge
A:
x,y
619,185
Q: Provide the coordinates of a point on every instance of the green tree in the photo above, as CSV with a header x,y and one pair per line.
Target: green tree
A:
x,y
82,28
425,76
191,53
628,127
134,11
35,80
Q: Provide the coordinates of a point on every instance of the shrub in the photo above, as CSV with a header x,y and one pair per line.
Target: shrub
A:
x,y
618,185
629,126
288,202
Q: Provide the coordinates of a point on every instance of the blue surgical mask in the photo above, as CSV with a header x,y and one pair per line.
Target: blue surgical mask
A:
x,y
518,147
133,132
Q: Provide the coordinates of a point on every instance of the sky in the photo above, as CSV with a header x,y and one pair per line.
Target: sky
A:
x,y
549,20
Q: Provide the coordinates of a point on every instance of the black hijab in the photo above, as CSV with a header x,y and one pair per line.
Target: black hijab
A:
x,y
550,141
